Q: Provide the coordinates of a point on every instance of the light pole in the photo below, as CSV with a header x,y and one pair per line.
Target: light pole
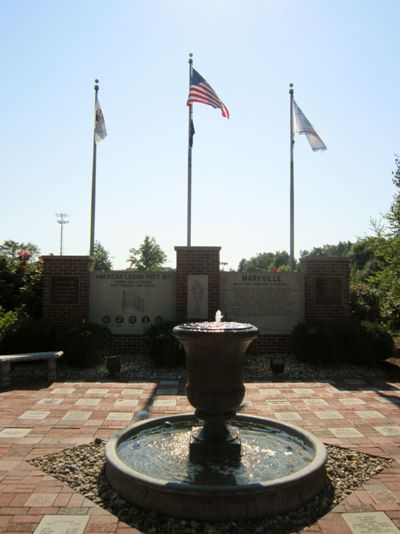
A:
x,y
62,219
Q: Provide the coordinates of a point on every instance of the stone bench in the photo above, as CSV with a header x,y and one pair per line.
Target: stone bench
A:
x,y
7,359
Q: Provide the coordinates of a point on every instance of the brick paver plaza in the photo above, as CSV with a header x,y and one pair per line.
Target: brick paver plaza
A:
x,y
354,413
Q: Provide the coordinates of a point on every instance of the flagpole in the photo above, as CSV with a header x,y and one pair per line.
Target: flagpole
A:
x,y
189,191
291,181
93,203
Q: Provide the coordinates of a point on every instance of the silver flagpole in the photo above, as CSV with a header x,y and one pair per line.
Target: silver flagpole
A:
x,y
189,200
291,181
93,209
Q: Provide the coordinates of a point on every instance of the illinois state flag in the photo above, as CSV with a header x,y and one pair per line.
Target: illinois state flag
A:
x,y
303,126
100,131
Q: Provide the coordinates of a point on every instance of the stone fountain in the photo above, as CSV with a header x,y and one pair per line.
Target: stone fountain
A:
x,y
214,464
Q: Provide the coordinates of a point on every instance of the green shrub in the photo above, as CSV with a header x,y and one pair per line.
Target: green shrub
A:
x,y
21,286
83,344
379,339
163,347
364,302
8,325
323,342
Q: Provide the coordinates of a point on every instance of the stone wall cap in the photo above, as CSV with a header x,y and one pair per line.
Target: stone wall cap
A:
x,y
60,258
197,248
325,258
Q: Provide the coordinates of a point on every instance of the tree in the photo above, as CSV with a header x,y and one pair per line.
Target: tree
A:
x,y
20,277
393,215
365,258
265,261
102,260
341,249
14,250
387,280
148,257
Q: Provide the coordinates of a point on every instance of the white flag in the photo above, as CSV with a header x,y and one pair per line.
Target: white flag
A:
x,y
303,126
100,131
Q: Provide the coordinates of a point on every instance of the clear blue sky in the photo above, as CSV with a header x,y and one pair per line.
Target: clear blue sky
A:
x,y
341,55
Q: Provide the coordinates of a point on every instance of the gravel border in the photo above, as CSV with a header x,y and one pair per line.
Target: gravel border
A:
x,y
257,367
82,468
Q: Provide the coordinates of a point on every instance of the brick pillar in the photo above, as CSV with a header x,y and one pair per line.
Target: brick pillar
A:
x,y
197,261
327,288
66,288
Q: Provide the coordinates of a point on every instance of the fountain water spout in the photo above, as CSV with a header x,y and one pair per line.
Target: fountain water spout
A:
x,y
218,316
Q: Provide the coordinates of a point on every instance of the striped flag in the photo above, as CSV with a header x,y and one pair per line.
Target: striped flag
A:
x,y
303,126
201,91
100,131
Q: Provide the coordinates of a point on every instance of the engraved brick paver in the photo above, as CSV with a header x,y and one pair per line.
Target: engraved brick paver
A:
x,y
278,402
360,414
31,414
132,391
164,403
370,523
351,401
388,430
126,402
125,416
76,416
10,433
369,414
288,416
97,391
346,432
329,415
316,402
87,402
50,401
62,524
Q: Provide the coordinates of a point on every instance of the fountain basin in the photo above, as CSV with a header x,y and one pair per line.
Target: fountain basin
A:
x,y
228,497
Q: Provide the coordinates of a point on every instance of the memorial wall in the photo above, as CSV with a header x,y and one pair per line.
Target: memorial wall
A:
x,y
274,302
128,301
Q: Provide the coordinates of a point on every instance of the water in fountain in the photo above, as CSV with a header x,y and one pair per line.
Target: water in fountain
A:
x,y
218,325
164,453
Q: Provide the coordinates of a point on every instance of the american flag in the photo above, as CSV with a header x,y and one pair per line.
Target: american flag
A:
x,y
201,91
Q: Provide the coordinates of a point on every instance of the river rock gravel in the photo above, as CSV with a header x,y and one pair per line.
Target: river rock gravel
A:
x,y
83,469
140,366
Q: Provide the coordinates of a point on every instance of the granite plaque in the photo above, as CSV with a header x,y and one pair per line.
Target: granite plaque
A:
x,y
128,302
370,523
64,289
328,290
197,296
274,302
62,524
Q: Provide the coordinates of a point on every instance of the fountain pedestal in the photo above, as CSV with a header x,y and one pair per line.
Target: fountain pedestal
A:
x,y
215,355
